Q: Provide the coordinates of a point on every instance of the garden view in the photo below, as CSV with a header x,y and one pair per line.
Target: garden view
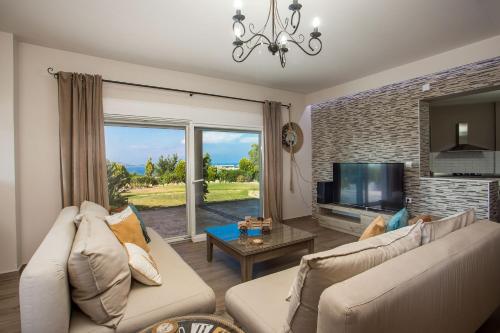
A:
x,y
163,181
147,168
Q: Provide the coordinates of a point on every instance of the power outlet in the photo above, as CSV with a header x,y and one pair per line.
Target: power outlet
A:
x,y
408,200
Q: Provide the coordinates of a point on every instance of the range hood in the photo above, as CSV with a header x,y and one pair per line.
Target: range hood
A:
x,y
462,141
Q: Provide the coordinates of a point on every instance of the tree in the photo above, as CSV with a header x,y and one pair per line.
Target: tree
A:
x,y
211,173
180,171
118,181
166,164
247,169
254,156
207,161
150,168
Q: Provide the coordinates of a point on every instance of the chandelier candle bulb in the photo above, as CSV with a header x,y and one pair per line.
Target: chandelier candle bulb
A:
x,y
316,23
238,5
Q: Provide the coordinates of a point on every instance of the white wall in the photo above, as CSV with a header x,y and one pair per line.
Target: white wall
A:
x,y
38,123
8,227
485,49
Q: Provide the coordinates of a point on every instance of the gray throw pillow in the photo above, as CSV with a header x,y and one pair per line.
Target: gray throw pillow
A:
x,y
99,272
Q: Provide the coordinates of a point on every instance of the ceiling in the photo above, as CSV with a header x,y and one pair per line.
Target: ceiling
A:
x,y
360,37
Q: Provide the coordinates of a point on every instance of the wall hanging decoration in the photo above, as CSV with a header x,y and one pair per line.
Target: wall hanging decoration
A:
x,y
292,137
281,34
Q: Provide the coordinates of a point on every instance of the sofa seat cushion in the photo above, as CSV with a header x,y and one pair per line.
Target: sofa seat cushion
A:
x,y
183,292
259,306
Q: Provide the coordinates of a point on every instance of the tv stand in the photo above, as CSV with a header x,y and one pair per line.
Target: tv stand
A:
x,y
349,220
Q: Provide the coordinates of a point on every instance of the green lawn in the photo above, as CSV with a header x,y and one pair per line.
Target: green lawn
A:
x,y
175,194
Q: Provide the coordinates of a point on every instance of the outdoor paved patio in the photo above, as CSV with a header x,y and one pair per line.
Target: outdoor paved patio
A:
x,y
172,221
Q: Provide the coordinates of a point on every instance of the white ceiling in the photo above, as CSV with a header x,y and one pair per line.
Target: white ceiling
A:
x,y
360,37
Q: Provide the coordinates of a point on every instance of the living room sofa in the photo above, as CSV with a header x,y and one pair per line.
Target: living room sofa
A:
x,y
448,285
45,298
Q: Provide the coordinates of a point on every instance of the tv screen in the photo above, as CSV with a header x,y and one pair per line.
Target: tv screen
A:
x,y
378,186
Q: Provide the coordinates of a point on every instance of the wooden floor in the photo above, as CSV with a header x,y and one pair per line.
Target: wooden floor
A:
x,y
221,274
224,271
9,303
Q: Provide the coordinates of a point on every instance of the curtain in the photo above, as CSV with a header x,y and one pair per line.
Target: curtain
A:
x,y
81,139
273,162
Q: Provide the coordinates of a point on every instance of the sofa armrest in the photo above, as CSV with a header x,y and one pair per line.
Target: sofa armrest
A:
x,y
449,285
44,296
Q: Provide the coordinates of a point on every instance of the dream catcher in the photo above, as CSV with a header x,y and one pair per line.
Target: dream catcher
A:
x,y
292,139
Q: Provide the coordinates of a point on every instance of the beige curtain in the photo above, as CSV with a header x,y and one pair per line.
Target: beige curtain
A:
x,y
273,162
81,137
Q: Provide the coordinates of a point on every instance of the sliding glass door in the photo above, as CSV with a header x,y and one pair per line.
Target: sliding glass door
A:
x,y
183,178
226,176
147,168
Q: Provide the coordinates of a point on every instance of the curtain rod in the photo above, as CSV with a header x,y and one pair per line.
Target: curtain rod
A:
x,y
191,93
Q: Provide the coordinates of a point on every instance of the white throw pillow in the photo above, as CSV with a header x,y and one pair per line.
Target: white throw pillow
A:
x,y
89,208
440,228
142,265
119,217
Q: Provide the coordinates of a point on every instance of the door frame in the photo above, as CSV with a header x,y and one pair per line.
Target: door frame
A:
x,y
189,129
191,165
166,123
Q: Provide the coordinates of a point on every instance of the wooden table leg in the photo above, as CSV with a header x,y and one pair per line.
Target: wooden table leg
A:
x,y
210,249
311,246
246,264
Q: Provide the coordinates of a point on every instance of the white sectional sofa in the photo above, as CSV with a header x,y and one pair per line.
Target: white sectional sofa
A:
x,y
451,284
45,298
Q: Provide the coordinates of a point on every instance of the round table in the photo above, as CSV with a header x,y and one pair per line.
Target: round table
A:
x,y
193,324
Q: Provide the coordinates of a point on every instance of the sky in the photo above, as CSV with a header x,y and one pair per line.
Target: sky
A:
x,y
134,145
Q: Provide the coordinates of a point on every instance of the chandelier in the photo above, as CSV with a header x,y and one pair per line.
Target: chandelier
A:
x,y
281,34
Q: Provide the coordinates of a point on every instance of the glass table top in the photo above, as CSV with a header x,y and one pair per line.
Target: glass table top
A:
x,y
280,235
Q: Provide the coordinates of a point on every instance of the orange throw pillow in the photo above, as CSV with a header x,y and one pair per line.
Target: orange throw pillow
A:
x,y
376,227
127,228
424,218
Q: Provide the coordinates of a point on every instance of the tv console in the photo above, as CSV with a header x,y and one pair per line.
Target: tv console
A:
x,y
349,220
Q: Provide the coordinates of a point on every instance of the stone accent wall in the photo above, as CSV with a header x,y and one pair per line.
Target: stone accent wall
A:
x,y
494,203
442,197
385,125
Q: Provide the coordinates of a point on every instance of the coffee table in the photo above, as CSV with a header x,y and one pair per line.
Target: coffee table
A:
x,y
195,323
282,240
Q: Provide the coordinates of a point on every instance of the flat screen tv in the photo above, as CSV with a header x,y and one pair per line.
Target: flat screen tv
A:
x,y
377,186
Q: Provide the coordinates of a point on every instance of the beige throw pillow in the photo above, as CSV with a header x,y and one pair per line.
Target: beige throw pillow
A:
x,y
99,273
92,209
440,228
321,270
142,265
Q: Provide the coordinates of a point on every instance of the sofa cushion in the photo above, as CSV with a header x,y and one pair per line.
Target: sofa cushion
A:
x,y
376,227
450,285
127,228
398,220
259,306
143,224
425,218
321,270
142,265
183,292
440,228
92,209
98,272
